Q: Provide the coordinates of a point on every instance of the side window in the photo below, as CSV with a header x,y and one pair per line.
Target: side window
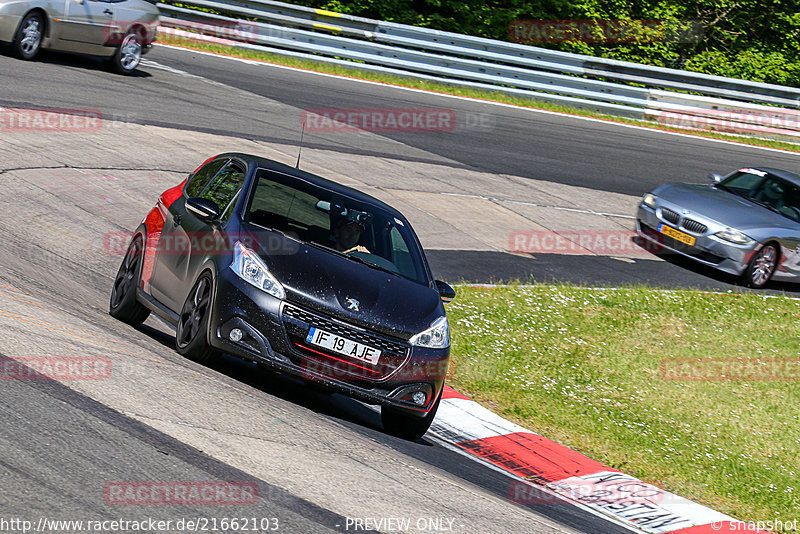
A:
x,y
202,176
224,187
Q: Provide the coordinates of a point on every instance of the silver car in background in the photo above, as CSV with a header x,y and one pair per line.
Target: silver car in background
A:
x,y
746,224
120,30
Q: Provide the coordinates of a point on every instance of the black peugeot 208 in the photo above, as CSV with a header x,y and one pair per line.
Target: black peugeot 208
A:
x,y
302,275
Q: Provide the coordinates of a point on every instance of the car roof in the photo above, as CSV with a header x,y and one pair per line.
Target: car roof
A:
x,y
786,175
319,181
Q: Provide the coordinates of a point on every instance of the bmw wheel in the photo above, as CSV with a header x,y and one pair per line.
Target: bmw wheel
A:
x,y
191,336
407,426
123,304
129,53
28,40
761,266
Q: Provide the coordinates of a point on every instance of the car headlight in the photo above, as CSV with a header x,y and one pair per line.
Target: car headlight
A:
x,y
435,337
252,270
649,200
735,236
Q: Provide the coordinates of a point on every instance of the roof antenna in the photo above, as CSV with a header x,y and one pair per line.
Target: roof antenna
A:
x,y
300,149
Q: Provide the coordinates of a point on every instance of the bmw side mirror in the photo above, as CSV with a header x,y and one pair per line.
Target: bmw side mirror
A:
x,y
446,292
716,178
203,208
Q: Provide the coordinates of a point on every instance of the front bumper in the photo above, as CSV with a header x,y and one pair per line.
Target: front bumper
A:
x,y
707,249
270,338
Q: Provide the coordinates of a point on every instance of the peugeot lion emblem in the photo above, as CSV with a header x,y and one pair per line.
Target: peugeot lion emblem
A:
x,y
352,304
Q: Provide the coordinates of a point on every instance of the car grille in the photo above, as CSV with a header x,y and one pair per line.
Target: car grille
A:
x,y
693,226
297,323
674,244
670,216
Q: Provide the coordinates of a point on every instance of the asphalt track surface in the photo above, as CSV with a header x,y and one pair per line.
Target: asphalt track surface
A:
x,y
62,444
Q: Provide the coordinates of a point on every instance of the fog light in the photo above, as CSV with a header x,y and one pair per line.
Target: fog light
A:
x,y
236,335
419,398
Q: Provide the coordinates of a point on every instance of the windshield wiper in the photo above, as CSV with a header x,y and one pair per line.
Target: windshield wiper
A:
x,y
348,256
763,205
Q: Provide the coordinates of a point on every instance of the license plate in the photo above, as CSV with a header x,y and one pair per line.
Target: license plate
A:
x,y
676,234
342,345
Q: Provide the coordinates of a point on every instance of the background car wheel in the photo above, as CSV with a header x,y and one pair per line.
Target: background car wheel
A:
x,y
406,426
129,54
28,40
762,265
123,304
191,336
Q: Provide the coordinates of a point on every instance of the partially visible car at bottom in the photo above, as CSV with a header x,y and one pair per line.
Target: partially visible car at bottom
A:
x,y
296,273
746,224
119,30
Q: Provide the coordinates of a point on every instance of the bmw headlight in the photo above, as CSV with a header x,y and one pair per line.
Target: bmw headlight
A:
x,y
649,200
252,270
735,236
435,337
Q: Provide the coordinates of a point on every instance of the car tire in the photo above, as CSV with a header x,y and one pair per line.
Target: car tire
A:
x,y
191,333
403,425
128,54
123,304
28,40
762,266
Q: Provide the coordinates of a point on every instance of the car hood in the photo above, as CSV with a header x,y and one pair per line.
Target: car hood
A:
x,y
324,281
718,205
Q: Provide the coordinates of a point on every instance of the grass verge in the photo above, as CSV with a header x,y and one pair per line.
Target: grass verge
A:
x,y
584,367
437,87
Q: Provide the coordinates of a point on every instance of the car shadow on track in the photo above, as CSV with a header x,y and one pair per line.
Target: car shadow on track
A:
x,y
349,412
734,282
80,61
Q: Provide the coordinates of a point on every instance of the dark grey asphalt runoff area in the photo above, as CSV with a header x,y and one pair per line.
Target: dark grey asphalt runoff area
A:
x,y
61,449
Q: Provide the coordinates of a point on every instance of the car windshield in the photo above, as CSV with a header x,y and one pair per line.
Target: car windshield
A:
x,y
363,232
771,192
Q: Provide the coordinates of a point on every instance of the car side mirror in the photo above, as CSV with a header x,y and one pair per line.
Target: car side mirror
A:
x,y
203,208
446,292
716,178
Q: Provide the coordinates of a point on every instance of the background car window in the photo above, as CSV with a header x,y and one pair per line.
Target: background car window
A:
x,y
199,181
225,185
743,183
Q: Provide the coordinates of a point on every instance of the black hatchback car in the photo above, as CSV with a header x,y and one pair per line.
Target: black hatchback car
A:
x,y
302,275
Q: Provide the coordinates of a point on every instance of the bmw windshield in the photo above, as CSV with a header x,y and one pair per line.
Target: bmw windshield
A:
x,y
766,190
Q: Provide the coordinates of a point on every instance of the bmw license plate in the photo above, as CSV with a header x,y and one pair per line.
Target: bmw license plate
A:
x,y
342,345
676,234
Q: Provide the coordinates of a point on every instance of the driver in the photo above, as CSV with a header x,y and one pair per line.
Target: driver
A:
x,y
347,233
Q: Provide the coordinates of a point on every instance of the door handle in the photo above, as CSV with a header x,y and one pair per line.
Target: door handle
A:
x,y
108,12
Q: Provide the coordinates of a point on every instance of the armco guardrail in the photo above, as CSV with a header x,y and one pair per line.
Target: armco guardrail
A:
x,y
723,104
